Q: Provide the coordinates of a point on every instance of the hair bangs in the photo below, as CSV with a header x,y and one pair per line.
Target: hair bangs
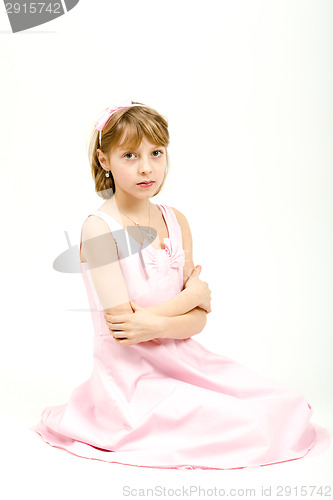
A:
x,y
130,137
133,130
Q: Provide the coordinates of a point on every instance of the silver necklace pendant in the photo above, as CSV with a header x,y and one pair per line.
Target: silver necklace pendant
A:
x,y
149,235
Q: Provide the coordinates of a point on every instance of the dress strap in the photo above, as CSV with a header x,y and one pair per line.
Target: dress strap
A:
x,y
175,232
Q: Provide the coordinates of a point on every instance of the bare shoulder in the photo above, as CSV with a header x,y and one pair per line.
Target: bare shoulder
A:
x,y
180,217
187,243
185,228
183,222
97,239
93,226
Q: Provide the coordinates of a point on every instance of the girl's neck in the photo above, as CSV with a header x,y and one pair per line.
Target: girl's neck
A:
x,y
133,207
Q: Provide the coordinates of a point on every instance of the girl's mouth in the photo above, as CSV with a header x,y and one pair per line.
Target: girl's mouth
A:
x,y
146,184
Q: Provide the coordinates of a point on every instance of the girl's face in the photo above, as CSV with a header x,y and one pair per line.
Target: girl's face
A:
x,y
130,167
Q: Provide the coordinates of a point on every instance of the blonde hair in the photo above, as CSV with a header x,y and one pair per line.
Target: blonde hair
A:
x,y
126,127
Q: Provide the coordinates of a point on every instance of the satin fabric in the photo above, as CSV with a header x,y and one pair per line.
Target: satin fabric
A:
x,y
170,403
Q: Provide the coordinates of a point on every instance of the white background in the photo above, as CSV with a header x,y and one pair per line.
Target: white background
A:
x,y
247,89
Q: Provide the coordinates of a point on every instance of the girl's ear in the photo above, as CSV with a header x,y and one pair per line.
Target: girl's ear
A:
x,y
101,157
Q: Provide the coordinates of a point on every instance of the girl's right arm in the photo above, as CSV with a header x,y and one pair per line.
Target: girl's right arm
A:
x,y
100,251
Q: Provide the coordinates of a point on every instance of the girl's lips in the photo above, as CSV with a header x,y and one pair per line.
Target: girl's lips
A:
x,y
146,184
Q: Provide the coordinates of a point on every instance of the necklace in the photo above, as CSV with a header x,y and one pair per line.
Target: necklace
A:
x,y
147,234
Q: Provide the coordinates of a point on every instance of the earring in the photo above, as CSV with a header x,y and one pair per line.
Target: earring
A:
x,y
107,174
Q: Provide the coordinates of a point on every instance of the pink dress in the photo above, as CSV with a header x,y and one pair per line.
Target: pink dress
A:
x,y
170,403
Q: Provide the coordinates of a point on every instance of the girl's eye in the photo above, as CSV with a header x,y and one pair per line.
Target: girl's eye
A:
x,y
157,151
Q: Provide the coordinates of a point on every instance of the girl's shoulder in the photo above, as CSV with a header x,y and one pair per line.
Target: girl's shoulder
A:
x,y
168,208
181,219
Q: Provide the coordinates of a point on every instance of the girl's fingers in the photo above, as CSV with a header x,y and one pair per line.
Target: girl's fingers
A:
x,y
111,318
119,336
119,327
117,317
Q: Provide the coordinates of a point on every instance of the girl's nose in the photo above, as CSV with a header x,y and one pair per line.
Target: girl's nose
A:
x,y
145,165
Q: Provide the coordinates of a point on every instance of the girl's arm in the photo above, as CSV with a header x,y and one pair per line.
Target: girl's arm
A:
x,y
182,303
187,244
178,322
183,326
188,298
100,251
129,329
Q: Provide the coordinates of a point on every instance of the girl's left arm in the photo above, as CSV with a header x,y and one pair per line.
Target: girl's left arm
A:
x,y
183,326
189,322
128,329
185,301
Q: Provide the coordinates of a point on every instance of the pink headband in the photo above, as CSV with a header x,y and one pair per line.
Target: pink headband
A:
x,y
104,117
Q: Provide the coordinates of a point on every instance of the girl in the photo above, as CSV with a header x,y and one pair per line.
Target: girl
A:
x,y
157,397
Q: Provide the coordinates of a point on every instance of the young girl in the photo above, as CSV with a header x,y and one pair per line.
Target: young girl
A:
x,y
156,396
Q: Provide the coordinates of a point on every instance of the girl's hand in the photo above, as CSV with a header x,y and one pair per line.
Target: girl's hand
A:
x,y
200,288
128,329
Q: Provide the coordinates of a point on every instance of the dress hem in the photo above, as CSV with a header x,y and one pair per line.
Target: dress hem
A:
x,y
323,444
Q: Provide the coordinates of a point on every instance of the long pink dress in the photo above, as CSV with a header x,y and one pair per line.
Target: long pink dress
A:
x,y
170,403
